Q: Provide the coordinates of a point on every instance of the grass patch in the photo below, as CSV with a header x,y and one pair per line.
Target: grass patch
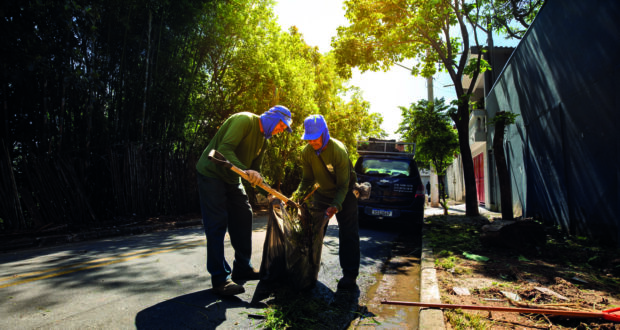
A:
x,y
446,263
465,321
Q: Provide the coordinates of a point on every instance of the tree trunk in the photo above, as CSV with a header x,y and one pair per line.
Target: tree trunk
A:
x,y
434,188
146,74
471,197
442,193
502,170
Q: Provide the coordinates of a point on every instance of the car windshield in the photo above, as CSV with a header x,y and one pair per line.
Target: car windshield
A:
x,y
385,167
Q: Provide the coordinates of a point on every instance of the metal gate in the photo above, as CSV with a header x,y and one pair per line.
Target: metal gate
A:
x,y
479,171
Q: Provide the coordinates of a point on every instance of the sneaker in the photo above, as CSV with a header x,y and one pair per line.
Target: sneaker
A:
x,y
347,283
228,288
248,275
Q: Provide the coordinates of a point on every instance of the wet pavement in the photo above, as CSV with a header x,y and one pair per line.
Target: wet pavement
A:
x,y
398,280
408,275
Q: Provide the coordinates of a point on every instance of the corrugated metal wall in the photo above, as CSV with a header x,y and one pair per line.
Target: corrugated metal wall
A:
x,y
563,80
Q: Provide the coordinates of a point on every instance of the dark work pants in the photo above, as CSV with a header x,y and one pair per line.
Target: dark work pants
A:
x,y
348,232
224,207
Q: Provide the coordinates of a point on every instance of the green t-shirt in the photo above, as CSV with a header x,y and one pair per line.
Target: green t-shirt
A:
x,y
337,162
241,141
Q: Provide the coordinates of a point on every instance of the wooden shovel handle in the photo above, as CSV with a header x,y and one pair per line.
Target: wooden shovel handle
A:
x,y
219,159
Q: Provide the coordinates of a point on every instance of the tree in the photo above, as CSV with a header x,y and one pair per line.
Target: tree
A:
x,y
124,95
501,121
254,76
384,33
428,125
510,17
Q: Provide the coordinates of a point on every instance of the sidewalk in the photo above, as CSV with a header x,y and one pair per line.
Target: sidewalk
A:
x,y
431,318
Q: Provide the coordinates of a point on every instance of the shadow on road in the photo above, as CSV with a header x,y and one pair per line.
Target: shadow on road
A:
x,y
205,310
198,310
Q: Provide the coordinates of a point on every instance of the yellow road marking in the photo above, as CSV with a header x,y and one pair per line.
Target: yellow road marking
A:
x,y
96,263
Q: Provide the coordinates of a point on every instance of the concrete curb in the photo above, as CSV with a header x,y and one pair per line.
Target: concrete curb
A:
x,y
430,318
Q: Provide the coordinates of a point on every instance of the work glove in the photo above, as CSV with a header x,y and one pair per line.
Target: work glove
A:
x,y
329,213
254,177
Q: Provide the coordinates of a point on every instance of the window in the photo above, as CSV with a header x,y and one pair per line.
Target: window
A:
x,y
385,167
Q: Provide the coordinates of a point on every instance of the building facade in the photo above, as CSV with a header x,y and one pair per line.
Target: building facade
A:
x,y
484,167
562,152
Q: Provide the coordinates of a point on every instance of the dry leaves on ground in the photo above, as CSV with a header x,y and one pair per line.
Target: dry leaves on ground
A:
x,y
559,272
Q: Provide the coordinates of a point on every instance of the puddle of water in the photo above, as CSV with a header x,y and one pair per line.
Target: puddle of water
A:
x,y
398,281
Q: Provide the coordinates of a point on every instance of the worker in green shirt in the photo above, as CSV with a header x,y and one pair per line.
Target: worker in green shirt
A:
x,y
242,140
325,161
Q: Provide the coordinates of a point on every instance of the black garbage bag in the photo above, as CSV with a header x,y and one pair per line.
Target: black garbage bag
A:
x,y
293,246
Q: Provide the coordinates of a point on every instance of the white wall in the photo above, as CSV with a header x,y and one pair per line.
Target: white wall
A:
x,y
454,181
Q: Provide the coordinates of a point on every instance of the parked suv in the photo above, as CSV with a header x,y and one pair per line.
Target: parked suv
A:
x,y
397,190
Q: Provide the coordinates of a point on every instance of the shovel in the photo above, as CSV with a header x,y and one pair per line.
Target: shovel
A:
x,y
610,314
219,159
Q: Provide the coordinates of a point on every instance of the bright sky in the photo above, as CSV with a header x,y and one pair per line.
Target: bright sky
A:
x,y
317,20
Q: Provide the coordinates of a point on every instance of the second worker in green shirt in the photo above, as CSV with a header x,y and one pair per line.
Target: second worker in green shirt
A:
x,y
325,161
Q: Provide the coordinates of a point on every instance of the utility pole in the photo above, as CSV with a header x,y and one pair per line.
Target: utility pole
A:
x,y
433,177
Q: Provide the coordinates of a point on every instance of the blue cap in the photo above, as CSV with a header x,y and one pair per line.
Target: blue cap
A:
x,y
314,127
273,116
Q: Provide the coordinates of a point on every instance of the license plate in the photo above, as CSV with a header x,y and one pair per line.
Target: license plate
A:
x,y
384,213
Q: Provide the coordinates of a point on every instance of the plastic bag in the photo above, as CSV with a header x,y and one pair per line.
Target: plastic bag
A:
x,y
293,246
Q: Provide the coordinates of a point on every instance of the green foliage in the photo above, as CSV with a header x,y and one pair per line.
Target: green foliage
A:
x,y
84,77
509,17
316,88
383,33
430,31
288,310
429,127
475,66
460,320
88,74
446,263
504,117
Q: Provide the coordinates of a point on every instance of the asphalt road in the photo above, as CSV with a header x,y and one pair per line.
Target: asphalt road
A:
x,y
151,281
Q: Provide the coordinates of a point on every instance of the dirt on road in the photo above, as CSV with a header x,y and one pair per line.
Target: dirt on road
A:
x,y
554,271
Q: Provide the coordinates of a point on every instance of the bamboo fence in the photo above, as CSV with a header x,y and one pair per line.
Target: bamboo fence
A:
x,y
78,191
